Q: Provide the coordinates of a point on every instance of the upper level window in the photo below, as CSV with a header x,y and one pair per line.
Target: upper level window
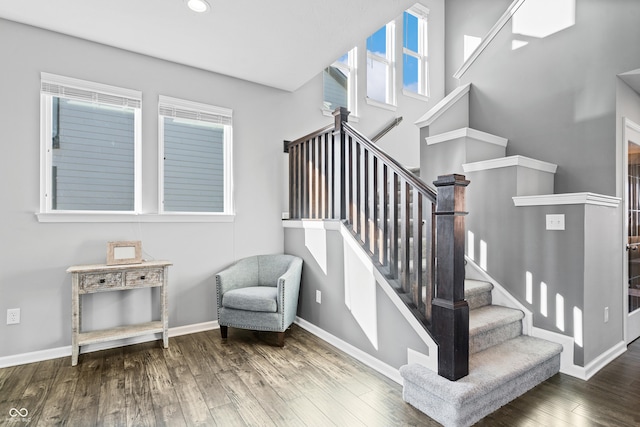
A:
x,y
415,69
195,157
339,83
90,137
380,65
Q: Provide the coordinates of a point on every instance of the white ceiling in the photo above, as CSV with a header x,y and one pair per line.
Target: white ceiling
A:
x,y
278,43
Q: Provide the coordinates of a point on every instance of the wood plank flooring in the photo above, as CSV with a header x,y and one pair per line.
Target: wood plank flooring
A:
x,y
201,381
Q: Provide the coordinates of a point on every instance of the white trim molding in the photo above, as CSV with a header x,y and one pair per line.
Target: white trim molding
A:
x,y
504,162
566,357
132,217
493,32
568,199
326,224
441,107
467,133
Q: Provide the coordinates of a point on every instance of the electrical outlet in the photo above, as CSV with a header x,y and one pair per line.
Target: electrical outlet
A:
x,y
606,314
555,222
318,297
13,316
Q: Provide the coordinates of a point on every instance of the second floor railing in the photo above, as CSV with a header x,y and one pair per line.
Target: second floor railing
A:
x,y
413,234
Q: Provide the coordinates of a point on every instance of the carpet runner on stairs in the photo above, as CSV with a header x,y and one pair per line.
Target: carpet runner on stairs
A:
x,y
503,364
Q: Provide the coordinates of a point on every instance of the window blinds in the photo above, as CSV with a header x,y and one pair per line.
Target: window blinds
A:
x,y
81,90
181,109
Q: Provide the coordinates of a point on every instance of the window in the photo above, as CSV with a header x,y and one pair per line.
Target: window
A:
x,y
339,83
195,157
380,65
90,137
415,69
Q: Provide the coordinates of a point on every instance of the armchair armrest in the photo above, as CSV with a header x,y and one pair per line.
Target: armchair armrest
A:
x,y
289,289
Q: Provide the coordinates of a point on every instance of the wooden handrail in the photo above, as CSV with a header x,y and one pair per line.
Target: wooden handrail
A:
x,y
395,122
400,221
398,168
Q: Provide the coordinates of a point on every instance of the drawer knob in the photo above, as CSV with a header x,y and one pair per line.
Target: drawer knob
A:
x,y
143,277
102,280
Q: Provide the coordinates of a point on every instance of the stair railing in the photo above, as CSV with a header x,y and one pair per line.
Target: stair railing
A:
x,y
413,234
388,128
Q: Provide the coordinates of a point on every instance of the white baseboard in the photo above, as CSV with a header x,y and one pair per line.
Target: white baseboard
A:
x,y
54,353
356,353
192,329
566,357
35,356
604,359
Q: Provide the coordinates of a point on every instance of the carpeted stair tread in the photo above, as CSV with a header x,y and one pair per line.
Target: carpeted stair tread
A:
x,y
488,369
473,287
496,376
484,319
504,362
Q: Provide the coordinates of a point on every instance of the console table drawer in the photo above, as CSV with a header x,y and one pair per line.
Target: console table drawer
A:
x,y
144,277
98,281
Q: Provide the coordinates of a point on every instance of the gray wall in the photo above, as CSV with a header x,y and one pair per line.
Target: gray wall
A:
x,y
372,323
555,98
467,18
582,263
602,280
34,256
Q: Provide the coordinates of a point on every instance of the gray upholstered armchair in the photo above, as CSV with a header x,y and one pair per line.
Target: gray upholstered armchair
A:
x,y
259,293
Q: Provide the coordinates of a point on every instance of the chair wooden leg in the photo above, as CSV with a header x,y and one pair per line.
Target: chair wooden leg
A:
x,y
280,339
223,331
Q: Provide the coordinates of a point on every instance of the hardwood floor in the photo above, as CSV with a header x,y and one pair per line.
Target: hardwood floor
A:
x,y
199,380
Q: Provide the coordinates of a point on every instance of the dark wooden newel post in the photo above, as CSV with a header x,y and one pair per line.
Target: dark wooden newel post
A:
x,y
341,115
450,310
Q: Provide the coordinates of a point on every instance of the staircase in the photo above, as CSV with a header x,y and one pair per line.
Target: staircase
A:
x,y
415,237
503,364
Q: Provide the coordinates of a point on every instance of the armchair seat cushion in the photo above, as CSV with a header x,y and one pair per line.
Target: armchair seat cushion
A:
x,y
252,298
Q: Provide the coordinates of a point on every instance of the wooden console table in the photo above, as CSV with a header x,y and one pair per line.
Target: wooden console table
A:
x,y
89,279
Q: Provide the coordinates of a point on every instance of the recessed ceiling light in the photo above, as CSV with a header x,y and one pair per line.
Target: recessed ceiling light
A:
x,y
199,6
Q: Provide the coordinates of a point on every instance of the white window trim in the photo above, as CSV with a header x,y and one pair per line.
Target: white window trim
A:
x,y
352,91
422,13
54,85
131,218
45,214
225,114
390,63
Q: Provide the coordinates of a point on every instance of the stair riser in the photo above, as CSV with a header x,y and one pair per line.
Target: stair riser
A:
x,y
479,300
495,336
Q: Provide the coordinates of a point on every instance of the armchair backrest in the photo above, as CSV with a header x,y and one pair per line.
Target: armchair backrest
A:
x,y
271,267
